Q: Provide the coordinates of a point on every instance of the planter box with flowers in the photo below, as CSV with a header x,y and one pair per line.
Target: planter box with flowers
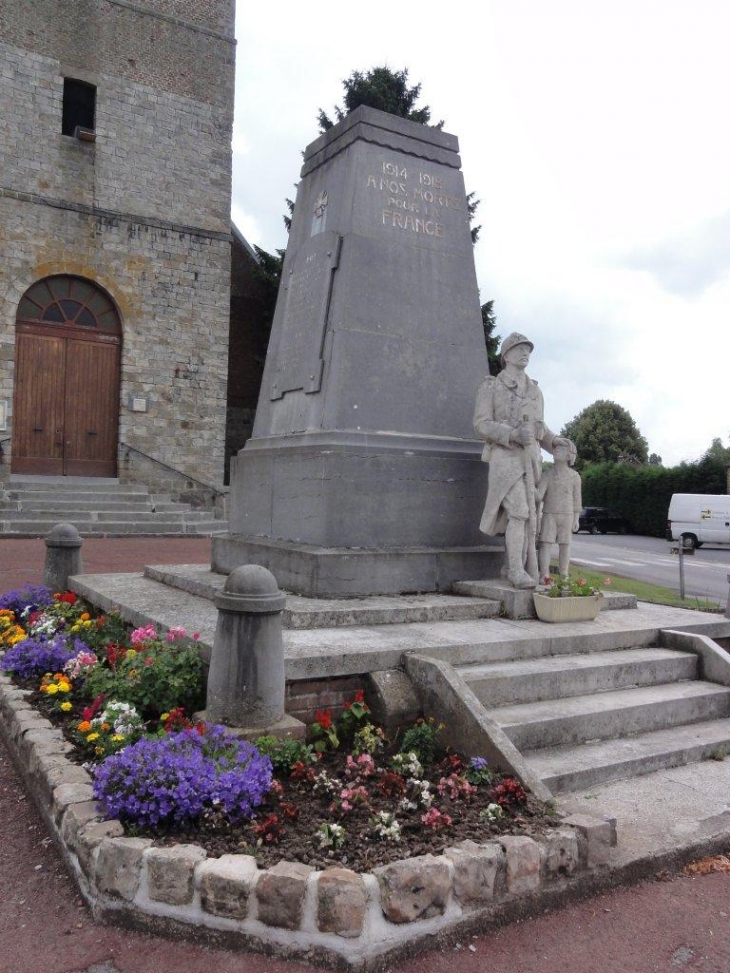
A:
x,y
345,844
568,599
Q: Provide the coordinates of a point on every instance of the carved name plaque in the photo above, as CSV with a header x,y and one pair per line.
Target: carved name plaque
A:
x,y
307,289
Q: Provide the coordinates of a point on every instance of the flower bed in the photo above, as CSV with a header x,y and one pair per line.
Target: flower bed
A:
x,y
210,820
348,796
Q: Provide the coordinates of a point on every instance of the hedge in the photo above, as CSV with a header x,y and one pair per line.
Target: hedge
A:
x,y
642,493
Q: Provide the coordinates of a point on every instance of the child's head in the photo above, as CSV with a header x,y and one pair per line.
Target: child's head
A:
x,y
565,454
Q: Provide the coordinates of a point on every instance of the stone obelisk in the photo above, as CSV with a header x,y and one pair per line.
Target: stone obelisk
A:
x,y
363,475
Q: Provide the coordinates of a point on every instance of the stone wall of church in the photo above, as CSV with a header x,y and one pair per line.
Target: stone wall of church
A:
x,y
144,210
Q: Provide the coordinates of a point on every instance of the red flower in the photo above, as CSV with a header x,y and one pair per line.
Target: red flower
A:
x,y
360,696
68,597
90,711
324,718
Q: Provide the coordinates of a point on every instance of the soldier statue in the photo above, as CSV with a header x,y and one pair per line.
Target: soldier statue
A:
x,y
509,418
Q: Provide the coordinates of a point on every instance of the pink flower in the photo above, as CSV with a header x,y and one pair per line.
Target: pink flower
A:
x,y
176,632
433,818
196,636
147,633
608,582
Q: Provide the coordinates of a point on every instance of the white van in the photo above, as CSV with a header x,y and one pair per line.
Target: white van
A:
x,y
699,518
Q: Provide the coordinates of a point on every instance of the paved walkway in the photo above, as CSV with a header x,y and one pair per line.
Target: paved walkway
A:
x,y
666,925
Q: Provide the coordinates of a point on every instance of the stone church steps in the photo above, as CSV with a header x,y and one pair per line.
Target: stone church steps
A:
x,y
32,506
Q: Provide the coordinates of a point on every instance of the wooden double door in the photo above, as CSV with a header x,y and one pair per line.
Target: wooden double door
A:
x,y
66,401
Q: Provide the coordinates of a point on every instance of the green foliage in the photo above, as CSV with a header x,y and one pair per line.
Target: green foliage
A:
x,y
284,754
421,739
472,205
353,718
156,678
718,452
642,493
369,739
604,432
383,89
492,340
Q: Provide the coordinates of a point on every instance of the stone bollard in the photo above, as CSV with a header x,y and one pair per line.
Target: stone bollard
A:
x,y
246,678
63,556
727,606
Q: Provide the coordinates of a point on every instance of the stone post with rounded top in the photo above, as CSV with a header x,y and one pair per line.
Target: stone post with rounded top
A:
x,y
246,681
63,556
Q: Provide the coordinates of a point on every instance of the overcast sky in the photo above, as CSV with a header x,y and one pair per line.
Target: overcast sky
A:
x,y
597,137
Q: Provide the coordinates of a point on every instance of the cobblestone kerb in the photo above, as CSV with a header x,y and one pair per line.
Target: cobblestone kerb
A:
x,y
335,916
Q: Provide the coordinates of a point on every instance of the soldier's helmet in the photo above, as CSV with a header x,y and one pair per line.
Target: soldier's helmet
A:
x,y
510,341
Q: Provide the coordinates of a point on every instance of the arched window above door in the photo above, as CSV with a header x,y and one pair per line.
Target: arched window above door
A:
x,y
63,299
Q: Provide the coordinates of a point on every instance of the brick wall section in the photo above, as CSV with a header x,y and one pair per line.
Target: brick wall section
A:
x,y
307,695
144,211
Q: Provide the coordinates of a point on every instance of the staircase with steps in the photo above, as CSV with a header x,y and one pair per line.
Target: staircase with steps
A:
x,y
30,506
583,702
582,720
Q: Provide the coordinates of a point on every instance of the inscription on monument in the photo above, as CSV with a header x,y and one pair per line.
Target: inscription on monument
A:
x,y
307,289
413,199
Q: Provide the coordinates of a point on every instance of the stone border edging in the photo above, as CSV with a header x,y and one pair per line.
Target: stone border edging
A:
x,y
335,916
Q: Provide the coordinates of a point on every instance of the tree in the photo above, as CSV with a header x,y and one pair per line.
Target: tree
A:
x,y
655,459
268,275
717,452
489,322
605,432
379,88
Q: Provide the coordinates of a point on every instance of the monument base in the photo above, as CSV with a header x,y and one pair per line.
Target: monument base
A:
x,y
320,572
288,727
515,602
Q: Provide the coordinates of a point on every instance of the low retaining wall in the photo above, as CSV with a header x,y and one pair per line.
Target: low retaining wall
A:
x,y
335,916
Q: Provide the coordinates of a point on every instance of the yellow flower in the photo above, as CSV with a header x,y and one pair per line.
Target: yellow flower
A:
x,y
67,706
116,737
164,716
52,689
91,737
131,653
132,673
98,751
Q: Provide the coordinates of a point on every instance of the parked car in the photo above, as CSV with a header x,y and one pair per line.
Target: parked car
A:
x,y
599,520
699,518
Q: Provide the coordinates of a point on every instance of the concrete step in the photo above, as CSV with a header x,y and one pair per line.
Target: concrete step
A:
x,y
39,528
79,493
320,652
59,484
503,683
602,716
572,768
141,502
309,613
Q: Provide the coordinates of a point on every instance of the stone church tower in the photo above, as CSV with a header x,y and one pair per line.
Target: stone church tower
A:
x,y
115,233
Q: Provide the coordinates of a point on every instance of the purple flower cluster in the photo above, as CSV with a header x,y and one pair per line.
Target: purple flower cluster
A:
x,y
175,778
35,657
32,596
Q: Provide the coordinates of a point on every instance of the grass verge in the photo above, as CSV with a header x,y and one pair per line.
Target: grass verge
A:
x,y
644,591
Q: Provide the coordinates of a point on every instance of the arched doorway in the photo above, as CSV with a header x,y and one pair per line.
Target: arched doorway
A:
x,y
66,399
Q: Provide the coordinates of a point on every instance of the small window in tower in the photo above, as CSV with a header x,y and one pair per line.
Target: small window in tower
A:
x,y
79,108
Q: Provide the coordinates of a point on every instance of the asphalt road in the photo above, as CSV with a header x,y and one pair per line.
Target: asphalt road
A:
x,y
649,559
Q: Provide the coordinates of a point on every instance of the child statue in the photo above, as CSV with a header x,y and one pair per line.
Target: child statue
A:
x,y
558,490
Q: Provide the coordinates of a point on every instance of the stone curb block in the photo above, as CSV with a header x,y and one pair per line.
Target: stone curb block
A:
x,y
290,908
